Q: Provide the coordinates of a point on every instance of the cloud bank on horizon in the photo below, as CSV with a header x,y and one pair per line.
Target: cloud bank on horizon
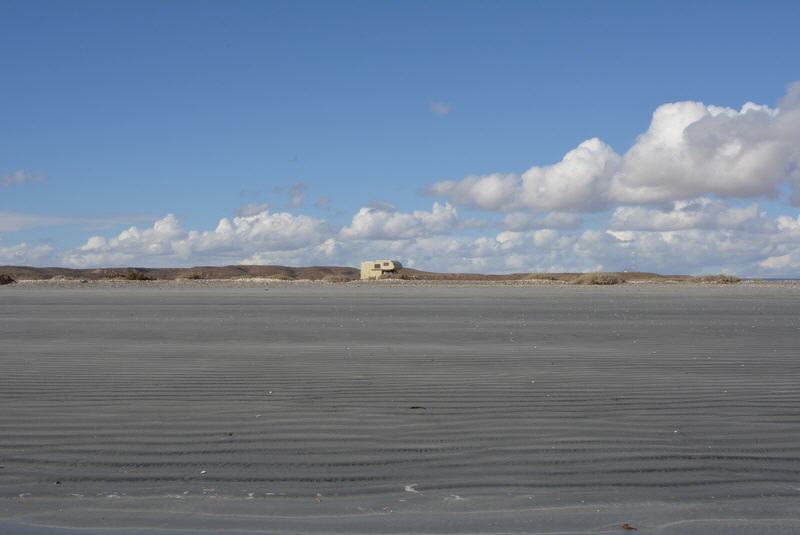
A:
x,y
683,198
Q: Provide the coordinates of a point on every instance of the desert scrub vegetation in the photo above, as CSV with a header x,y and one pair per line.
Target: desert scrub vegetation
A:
x,y
6,279
718,279
286,274
603,279
336,278
134,275
394,276
540,277
195,276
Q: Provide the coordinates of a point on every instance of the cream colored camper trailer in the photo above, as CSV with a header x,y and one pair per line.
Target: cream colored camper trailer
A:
x,y
374,269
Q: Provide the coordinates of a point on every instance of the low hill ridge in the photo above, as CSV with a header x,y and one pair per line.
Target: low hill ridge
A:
x,y
292,273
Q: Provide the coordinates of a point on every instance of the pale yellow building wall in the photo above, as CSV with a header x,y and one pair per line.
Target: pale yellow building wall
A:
x,y
370,271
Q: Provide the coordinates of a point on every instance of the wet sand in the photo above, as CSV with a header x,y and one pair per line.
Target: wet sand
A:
x,y
400,409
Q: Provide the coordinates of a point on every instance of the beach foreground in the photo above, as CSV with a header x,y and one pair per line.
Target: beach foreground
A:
x,y
400,409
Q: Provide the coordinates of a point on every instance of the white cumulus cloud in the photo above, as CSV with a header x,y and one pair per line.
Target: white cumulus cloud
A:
x,y
701,213
689,150
387,224
233,238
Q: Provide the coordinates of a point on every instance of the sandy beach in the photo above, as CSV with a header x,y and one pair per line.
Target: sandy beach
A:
x,y
399,408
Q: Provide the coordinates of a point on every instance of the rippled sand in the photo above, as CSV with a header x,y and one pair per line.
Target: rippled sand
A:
x,y
400,409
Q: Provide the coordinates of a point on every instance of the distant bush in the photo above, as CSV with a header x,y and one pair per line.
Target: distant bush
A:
x,y
134,275
718,279
540,277
394,276
6,279
195,276
280,277
599,279
336,278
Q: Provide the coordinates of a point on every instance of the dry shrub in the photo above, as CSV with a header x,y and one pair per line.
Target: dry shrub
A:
x,y
394,276
336,278
195,276
718,279
539,277
6,279
280,277
603,279
134,275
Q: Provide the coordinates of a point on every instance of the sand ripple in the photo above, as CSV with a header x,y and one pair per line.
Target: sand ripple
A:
x,y
327,409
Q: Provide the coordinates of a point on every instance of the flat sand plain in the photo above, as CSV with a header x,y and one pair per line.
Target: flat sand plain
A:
x,y
370,409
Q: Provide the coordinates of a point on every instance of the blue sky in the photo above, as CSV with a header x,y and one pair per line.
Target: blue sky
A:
x,y
117,114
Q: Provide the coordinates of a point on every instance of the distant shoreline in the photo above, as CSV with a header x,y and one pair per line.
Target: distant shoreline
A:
x,y
265,283
333,274
282,276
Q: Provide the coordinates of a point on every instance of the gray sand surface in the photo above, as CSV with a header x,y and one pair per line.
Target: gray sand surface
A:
x,y
375,409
